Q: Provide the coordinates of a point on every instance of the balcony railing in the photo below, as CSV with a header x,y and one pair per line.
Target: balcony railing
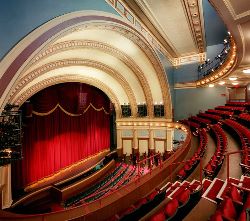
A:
x,y
211,65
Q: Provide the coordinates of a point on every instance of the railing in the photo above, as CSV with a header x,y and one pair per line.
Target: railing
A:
x,y
211,65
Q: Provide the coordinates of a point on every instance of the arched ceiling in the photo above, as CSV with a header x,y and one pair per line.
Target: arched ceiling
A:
x,y
105,52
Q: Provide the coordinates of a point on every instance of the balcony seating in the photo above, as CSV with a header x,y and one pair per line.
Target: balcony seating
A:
x,y
151,203
199,120
212,117
236,109
184,199
223,113
190,164
193,125
244,136
212,168
238,104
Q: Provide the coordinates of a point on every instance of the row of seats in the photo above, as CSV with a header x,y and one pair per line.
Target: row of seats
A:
x,y
244,135
141,207
212,168
190,164
214,117
233,206
201,121
239,104
115,183
75,199
244,116
233,108
180,205
220,112
193,125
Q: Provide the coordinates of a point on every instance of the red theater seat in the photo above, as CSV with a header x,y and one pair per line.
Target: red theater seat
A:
x,y
242,216
216,217
160,216
183,196
171,208
227,209
152,195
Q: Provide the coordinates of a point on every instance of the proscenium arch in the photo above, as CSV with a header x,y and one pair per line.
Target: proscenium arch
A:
x,y
78,44
53,28
77,62
19,100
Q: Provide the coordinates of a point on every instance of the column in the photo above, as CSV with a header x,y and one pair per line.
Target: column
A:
x,y
135,141
170,136
5,186
119,142
151,140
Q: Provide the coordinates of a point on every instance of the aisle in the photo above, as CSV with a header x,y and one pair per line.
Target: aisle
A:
x,y
208,154
234,167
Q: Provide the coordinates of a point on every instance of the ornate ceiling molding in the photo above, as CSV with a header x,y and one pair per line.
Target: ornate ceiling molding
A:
x,y
78,44
143,24
143,44
28,78
20,99
193,11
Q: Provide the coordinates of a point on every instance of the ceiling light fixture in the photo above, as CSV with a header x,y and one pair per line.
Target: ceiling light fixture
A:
x,y
246,71
211,85
233,78
222,82
235,83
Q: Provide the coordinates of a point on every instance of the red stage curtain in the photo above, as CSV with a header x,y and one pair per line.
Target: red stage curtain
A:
x,y
73,131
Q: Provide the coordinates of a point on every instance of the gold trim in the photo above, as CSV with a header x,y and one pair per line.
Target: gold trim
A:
x,y
19,100
76,44
68,113
78,62
195,21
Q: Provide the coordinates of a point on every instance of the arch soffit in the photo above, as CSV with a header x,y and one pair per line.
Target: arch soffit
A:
x,y
76,62
135,37
147,49
19,100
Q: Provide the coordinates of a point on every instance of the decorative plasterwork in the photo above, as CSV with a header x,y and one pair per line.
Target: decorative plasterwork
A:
x,y
233,13
76,44
58,27
194,14
143,45
77,62
134,20
190,59
19,100
193,9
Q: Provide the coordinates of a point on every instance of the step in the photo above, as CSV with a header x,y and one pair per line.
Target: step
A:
x,y
172,188
179,189
212,191
194,185
206,183
223,189
245,181
166,186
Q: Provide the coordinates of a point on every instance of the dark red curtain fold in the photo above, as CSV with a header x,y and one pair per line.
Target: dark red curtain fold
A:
x,y
57,140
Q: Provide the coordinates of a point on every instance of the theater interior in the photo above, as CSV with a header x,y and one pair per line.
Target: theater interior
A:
x,y
125,110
